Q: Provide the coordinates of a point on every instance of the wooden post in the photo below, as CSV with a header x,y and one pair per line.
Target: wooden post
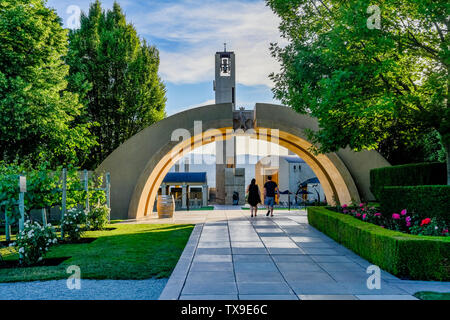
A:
x,y
289,200
187,197
23,189
44,216
64,200
108,194
7,226
86,189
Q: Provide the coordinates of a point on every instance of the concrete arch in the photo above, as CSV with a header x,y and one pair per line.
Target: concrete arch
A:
x,y
139,165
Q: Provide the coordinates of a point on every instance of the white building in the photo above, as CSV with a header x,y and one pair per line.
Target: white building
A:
x,y
293,175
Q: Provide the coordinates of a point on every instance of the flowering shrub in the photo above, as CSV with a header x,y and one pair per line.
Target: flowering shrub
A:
x,y
429,227
402,221
73,222
97,217
363,212
33,242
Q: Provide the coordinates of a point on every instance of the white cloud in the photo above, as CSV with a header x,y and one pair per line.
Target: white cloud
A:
x,y
205,103
199,29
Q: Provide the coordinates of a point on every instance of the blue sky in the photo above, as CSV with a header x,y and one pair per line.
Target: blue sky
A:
x,y
189,32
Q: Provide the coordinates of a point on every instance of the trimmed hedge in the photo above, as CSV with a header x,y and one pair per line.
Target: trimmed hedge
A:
x,y
424,201
404,255
416,174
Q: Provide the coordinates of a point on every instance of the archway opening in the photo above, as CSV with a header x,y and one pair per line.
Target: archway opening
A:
x,y
337,183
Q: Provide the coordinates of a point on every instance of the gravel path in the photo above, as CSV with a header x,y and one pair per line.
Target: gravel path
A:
x,y
90,290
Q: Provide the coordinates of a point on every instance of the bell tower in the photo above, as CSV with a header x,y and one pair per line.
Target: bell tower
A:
x,y
225,82
229,179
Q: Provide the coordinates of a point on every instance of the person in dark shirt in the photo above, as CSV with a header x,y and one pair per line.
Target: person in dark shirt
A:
x,y
270,188
235,198
254,197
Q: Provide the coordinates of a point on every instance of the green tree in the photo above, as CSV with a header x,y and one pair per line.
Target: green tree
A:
x,y
117,75
37,113
366,82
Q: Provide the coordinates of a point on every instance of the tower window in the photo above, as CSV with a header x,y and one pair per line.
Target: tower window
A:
x,y
225,67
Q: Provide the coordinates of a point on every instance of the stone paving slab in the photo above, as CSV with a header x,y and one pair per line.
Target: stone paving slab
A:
x,y
258,276
386,297
265,267
277,288
267,297
231,256
210,288
327,297
209,297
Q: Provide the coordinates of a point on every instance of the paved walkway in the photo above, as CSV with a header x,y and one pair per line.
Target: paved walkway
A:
x,y
233,256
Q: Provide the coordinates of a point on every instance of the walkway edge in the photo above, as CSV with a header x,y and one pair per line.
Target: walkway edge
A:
x,y
172,290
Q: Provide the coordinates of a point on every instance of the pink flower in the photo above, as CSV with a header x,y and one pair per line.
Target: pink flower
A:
x,y
358,214
361,205
362,209
377,214
403,212
445,231
408,224
345,211
425,222
344,206
353,211
395,216
364,216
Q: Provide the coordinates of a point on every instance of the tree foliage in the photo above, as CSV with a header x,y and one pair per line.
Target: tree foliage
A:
x,y
117,75
365,84
37,112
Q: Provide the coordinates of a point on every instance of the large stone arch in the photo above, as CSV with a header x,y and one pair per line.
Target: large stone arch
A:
x,y
139,165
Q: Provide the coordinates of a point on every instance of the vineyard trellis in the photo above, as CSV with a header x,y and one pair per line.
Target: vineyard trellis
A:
x,y
20,203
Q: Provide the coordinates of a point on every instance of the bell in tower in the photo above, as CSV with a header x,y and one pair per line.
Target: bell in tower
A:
x,y
225,67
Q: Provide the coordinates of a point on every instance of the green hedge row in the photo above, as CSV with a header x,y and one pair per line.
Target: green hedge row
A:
x,y
403,255
416,174
424,201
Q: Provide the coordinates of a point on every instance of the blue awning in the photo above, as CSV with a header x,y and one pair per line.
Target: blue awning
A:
x,y
185,177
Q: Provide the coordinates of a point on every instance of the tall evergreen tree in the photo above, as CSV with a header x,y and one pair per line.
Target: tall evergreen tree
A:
x,y
37,113
117,75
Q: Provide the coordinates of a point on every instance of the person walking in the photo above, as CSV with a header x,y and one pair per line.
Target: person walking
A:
x,y
254,197
270,188
235,198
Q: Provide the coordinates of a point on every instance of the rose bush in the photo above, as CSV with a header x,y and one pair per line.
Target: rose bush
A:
x,y
429,227
34,242
402,221
97,217
73,224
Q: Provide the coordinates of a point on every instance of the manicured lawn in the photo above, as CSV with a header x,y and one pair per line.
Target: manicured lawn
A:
x,y
424,295
129,251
